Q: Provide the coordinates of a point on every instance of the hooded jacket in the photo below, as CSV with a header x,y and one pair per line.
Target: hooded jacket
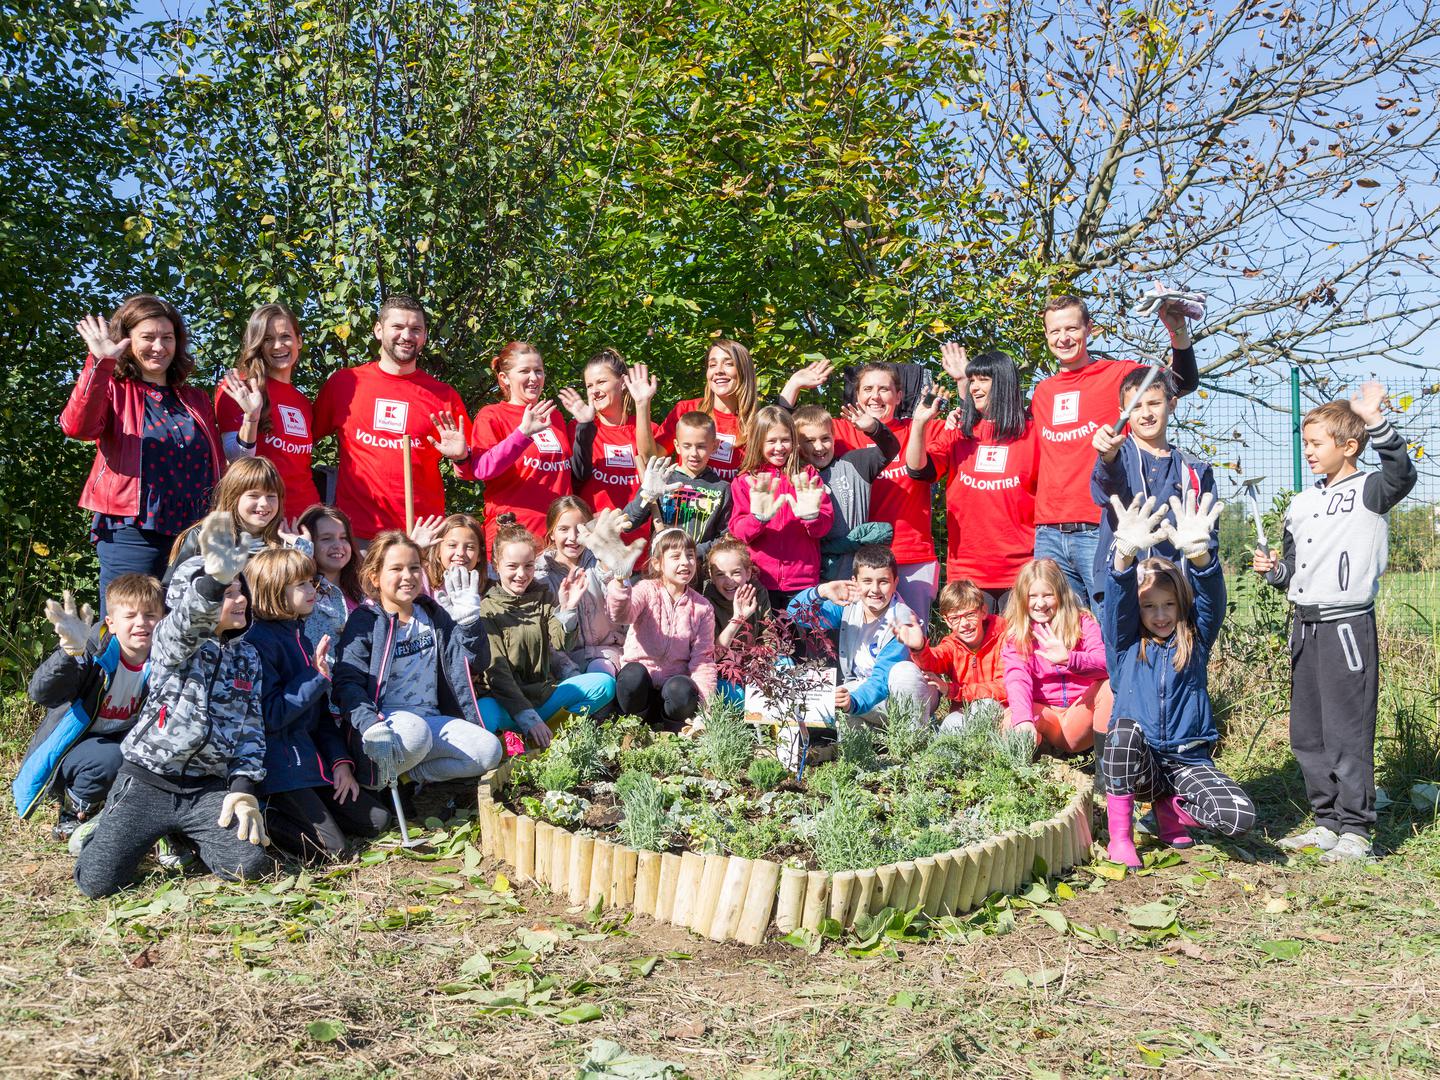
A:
x,y
531,633
303,743
71,688
785,549
972,674
1172,707
202,717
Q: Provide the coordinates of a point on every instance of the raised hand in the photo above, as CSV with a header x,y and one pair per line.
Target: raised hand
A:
x,y
1107,442
71,627
929,406
322,656
954,420
809,495
225,552
865,421
1194,523
1138,526
955,362
1368,403
451,443
910,633
602,536
1262,562
462,594
95,332
426,531
810,377
576,405
746,603
653,481
1048,645
245,393
764,503
641,384
572,589
839,592
537,417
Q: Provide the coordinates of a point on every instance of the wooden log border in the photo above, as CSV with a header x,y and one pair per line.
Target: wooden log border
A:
x,y
729,898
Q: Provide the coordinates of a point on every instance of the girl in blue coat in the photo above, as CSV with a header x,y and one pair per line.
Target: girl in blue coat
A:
x,y
1161,621
313,800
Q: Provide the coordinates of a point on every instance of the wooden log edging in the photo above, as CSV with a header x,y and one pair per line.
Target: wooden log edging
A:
x,y
727,898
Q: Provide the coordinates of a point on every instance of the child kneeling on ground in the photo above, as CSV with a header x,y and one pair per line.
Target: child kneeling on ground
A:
x,y
1161,621
966,662
875,632
94,686
193,760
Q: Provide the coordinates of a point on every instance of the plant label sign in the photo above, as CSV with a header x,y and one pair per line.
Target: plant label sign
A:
x,y
819,702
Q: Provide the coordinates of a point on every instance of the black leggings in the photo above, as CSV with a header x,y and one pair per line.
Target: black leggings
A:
x,y
668,706
1207,794
308,822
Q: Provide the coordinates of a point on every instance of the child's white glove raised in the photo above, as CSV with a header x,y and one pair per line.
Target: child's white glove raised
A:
x,y
71,627
1193,525
224,551
809,493
602,536
244,810
462,594
764,503
1138,526
654,482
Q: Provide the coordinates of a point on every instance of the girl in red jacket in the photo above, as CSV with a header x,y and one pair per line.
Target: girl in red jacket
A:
x,y
782,509
967,660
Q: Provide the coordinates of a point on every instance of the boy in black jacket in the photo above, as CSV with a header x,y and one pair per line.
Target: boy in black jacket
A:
x,y
1336,544
93,685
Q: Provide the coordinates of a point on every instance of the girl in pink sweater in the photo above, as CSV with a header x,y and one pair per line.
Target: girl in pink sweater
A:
x,y
668,665
1054,661
781,508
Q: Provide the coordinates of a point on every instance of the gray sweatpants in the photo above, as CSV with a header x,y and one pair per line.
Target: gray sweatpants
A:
x,y
138,814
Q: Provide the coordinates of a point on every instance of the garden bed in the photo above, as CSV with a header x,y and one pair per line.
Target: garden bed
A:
x,y
710,832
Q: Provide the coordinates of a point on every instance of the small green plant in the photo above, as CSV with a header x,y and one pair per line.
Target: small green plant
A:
x,y
646,825
766,773
846,836
931,841
727,743
584,746
832,777
904,730
1014,745
555,772
664,757
856,743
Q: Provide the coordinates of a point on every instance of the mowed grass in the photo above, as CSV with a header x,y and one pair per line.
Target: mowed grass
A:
x,y
389,965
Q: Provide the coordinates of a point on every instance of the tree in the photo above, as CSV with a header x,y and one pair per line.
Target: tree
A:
x,y
1279,156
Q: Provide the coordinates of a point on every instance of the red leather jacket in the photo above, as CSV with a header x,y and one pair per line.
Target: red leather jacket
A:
x,y
110,412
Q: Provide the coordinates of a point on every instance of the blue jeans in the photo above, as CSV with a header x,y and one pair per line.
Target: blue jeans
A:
x,y
1075,552
588,693
128,550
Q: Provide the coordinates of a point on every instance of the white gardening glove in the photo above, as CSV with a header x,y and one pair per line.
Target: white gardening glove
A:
x,y
1193,525
462,594
1138,526
244,810
764,503
382,746
809,493
225,553
653,483
71,627
602,536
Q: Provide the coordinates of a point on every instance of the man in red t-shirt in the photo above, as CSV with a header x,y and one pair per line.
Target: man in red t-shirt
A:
x,y
1067,408
375,408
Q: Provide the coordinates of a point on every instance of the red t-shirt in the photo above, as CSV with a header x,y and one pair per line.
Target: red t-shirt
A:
x,y
370,411
288,443
614,472
540,477
894,497
729,439
989,504
1068,408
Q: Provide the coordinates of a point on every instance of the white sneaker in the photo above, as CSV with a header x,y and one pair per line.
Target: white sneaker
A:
x,y
1318,837
1351,847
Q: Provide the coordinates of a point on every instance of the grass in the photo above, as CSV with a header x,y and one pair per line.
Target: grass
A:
x,y
1227,961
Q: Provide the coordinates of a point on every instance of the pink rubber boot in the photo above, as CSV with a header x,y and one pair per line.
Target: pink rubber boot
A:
x,y
1172,820
1120,811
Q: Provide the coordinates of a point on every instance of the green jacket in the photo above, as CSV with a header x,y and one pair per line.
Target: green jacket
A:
x,y
531,633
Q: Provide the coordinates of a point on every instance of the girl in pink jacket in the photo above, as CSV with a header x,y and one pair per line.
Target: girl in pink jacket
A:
x,y
668,665
1054,661
781,508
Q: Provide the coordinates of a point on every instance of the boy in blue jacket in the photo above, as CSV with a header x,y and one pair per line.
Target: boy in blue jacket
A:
x,y
1160,623
1143,463
93,686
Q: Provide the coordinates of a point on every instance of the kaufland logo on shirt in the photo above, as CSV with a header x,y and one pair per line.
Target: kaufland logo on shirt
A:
x,y
991,459
619,457
724,449
390,415
1066,409
546,442
292,420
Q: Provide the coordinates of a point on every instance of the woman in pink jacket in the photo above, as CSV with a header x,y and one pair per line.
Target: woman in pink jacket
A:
x,y
781,509
1054,662
668,666
158,451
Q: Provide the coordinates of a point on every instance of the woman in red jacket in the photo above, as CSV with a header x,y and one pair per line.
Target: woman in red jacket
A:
x,y
157,452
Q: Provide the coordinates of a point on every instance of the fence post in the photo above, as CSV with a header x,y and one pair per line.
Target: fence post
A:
x,y
1299,458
